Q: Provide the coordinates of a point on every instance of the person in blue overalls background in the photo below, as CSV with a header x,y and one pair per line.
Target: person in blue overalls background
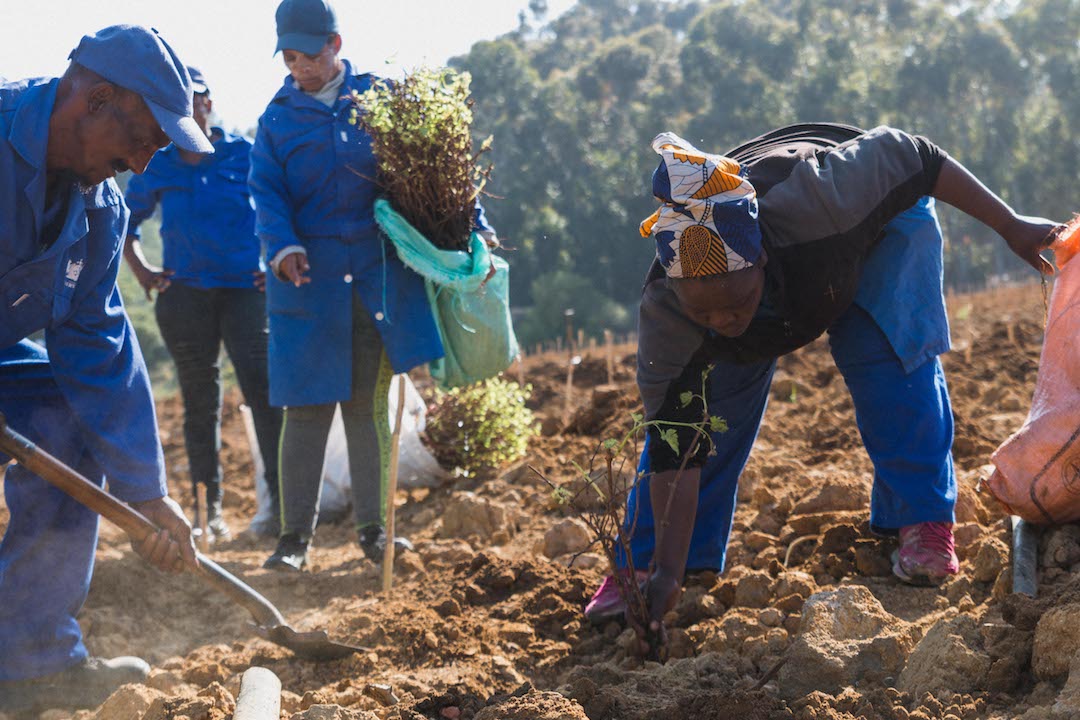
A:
x,y
345,312
809,229
85,395
210,292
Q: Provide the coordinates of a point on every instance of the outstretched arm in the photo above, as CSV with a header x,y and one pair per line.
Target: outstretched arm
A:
x,y
1026,236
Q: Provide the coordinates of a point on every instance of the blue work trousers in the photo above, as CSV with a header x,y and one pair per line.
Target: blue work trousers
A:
x,y
194,324
905,420
47,554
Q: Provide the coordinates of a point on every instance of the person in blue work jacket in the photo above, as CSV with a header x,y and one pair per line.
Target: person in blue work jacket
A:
x,y
84,396
345,312
209,292
809,229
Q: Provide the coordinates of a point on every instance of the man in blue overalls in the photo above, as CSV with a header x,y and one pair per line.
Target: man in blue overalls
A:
x,y
86,398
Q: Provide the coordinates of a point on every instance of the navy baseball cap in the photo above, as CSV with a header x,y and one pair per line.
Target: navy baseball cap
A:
x,y
138,59
198,82
304,25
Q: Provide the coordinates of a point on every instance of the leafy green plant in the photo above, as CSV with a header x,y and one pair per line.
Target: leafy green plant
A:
x,y
420,128
479,426
603,511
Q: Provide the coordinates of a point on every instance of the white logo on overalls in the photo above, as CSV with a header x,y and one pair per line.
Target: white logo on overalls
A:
x,y
74,269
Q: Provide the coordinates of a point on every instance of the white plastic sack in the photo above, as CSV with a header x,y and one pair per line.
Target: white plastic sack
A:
x,y
417,467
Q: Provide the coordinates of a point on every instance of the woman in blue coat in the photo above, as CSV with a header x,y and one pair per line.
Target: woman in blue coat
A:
x,y
345,313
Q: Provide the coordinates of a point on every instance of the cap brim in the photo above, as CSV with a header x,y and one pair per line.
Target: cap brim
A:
x,y
305,43
199,88
181,129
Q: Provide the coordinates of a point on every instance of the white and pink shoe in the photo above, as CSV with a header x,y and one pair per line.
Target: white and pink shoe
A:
x,y
607,602
927,554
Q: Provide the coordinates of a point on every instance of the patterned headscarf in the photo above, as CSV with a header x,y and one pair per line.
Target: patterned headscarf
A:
x,y
708,222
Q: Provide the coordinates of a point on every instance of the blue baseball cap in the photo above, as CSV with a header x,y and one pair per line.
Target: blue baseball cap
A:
x,y
304,25
198,81
138,59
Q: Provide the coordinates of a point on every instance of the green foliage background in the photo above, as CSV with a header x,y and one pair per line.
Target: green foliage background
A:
x,y
573,103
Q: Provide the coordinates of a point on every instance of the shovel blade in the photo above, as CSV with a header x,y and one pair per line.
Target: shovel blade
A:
x,y
312,645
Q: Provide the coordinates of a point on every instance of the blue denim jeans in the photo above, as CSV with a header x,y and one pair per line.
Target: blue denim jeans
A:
x,y
194,323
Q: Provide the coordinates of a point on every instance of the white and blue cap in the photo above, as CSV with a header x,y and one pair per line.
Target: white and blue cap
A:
x,y
138,59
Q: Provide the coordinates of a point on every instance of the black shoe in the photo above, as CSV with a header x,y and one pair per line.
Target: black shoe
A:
x,y
85,685
291,554
373,542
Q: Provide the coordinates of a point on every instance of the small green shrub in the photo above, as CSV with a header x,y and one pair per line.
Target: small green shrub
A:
x,y
483,425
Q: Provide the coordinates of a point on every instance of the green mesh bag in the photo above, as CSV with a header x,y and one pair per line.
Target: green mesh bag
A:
x,y
473,316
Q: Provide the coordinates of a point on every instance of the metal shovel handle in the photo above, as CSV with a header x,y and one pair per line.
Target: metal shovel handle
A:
x,y
131,521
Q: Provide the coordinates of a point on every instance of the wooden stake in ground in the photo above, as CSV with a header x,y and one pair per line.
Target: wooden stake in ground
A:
x,y
571,360
391,489
200,518
610,352
521,369
568,403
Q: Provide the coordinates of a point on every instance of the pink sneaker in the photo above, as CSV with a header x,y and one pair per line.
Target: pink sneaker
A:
x,y
927,554
607,603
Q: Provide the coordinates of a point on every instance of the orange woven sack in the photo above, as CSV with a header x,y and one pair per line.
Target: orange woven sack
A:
x,y
1037,473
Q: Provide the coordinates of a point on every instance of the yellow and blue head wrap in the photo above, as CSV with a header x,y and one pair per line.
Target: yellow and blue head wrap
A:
x,y
708,222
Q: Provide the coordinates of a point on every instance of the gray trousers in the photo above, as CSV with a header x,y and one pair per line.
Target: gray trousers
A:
x,y
305,430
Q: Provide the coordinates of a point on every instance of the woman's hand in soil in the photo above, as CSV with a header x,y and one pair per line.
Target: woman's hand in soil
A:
x,y
662,592
171,549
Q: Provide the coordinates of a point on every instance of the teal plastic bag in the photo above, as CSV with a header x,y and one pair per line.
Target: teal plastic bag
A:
x,y
471,311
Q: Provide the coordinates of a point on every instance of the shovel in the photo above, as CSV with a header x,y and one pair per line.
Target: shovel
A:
x,y
268,621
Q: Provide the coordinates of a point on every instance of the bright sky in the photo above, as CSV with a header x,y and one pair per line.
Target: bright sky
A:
x,y
232,40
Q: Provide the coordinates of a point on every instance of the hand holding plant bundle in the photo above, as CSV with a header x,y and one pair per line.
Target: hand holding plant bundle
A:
x,y
426,167
421,134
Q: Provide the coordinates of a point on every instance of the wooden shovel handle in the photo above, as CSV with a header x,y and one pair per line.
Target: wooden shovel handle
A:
x,y
135,524
56,473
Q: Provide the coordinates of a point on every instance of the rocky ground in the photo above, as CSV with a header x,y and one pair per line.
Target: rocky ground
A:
x,y
485,617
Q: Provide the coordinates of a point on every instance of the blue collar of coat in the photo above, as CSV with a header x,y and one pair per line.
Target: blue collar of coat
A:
x,y
29,133
291,95
29,137
222,143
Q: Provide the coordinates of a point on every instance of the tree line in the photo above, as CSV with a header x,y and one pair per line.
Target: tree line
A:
x,y
573,102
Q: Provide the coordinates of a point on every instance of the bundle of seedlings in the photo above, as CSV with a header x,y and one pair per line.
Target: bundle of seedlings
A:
x,y
421,131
